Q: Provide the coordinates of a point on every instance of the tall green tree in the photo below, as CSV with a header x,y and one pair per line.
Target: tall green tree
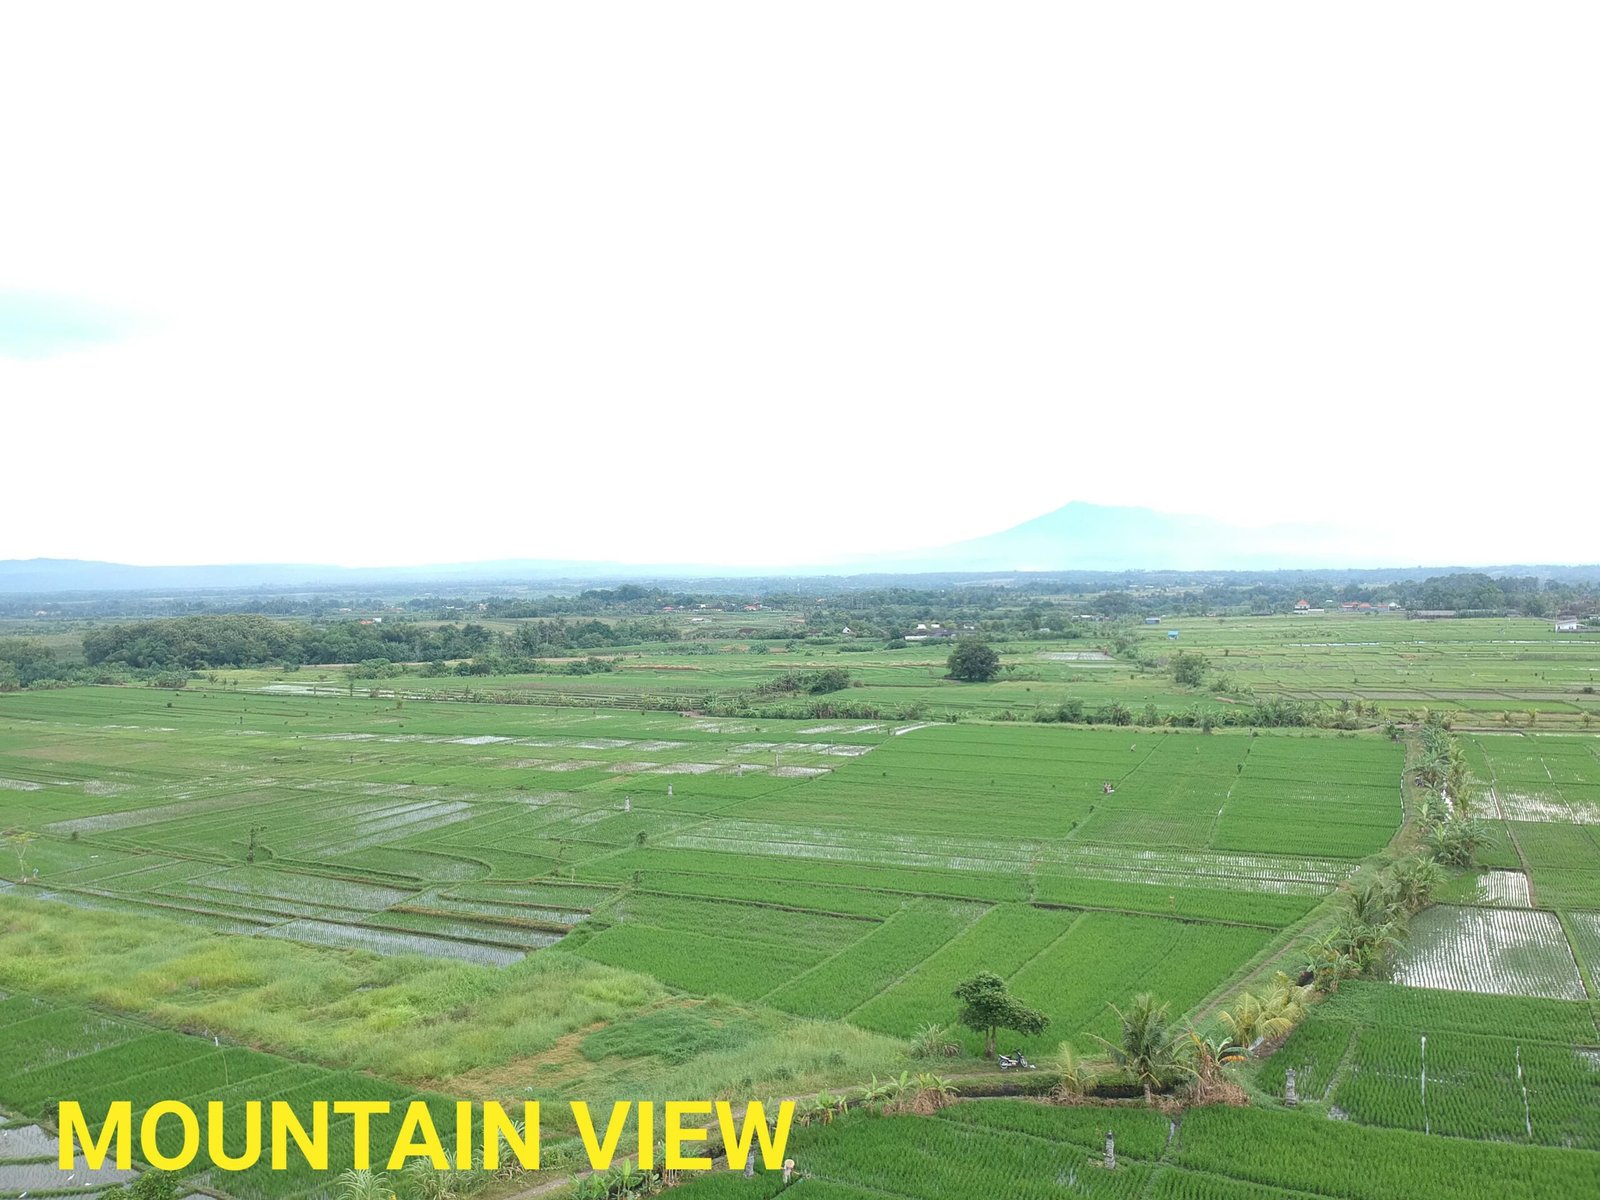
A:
x,y
1189,669
987,1006
973,661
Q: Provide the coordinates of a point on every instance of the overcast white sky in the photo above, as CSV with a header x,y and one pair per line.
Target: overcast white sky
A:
x,y
388,284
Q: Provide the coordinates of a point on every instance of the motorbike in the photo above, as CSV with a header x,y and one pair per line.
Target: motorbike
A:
x,y
1015,1062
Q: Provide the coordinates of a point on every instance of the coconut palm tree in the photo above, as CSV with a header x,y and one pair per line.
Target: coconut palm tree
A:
x,y
423,1181
1287,998
1432,810
1253,1020
1329,961
362,1185
1212,1054
1456,843
1413,882
1150,1047
1076,1077
1372,904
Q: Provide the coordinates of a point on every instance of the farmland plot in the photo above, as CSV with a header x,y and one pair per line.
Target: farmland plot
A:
x,y
1167,868
1004,940
388,941
1107,958
1539,778
1512,952
1506,889
980,1149
1502,1068
1585,930
1564,860
1503,1088
1069,965
854,975
97,1060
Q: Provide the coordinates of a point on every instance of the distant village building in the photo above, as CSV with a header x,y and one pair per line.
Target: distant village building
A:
x,y
1172,635
1302,606
1152,620
1568,625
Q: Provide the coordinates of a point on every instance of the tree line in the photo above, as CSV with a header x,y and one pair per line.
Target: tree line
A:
x,y
246,640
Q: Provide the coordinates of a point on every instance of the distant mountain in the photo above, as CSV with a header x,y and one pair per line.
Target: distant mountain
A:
x,y
1095,537
1077,537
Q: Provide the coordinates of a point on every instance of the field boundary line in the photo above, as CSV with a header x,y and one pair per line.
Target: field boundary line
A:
x,y
901,978
1047,947
1590,984
1062,906
1156,1164
1345,1064
771,904
1511,834
1211,834
1162,741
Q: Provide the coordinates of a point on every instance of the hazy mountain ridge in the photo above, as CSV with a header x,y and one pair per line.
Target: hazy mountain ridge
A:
x,y
1077,537
1080,536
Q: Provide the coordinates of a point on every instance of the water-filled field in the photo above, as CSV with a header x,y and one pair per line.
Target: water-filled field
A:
x,y
491,900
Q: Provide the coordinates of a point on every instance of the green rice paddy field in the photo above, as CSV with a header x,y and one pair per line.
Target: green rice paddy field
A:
x,y
462,900
1483,669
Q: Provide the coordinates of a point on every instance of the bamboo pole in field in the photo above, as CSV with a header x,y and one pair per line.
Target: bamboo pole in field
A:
x,y
1425,1128
1527,1112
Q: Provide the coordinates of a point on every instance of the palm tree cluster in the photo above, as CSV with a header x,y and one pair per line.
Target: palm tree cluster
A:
x,y
922,1093
1161,1055
1372,923
418,1181
1443,772
1454,836
1258,1017
622,1182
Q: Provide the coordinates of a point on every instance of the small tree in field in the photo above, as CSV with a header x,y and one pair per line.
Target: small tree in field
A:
x,y
987,1007
1189,669
973,661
